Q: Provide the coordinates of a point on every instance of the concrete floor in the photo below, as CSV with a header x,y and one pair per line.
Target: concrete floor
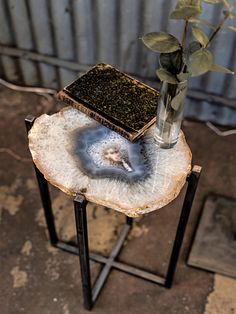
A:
x,y
35,278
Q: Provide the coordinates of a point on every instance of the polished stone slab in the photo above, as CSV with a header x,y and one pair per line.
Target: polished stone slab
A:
x,y
79,155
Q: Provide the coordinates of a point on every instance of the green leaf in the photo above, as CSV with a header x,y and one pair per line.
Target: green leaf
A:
x,y
178,100
161,42
172,62
202,22
232,15
200,36
186,9
166,76
229,14
226,4
200,62
185,13
184,3
232,28
213,1
194,46
182,76
219,68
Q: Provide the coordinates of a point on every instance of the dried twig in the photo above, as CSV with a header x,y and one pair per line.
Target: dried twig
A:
x,y
38,90
221,24
14,155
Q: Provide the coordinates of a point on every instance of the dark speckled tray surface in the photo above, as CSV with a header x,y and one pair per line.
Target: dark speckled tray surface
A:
x,y
115,99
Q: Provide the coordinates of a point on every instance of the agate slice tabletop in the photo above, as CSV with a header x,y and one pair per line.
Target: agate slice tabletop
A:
x,y
79,155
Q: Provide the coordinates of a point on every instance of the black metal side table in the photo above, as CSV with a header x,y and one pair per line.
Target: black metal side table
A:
x,y
91,293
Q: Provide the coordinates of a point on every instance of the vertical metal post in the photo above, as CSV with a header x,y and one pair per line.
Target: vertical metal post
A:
x,y
82,238
129,221
188,200
44,193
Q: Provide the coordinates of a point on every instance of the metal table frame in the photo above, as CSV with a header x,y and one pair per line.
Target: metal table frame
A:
x,y
90,293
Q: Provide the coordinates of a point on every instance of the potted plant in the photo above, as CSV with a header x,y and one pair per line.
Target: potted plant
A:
x,y
181,60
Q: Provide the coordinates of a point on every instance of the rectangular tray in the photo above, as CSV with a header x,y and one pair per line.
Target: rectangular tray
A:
x,y
114,99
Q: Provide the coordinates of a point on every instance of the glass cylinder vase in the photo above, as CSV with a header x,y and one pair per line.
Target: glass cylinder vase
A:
x,y
170,113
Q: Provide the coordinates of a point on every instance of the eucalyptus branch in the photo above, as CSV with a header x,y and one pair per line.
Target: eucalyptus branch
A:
x,y
185,34
217,29
226,4
233,6
180,59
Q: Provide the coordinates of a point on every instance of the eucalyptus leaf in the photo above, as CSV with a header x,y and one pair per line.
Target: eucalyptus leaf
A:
x,y
185,13
172,62
200,62
178,100
219,68
186,9
166,76
200,36
232,28
182,76
184,3
202,22
193,46
161,42
213,1
226,3
231,15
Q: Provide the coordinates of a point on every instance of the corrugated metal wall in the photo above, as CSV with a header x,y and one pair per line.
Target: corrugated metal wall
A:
x,y
50,42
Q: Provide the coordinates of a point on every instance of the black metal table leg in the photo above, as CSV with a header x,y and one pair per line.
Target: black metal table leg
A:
x,y
188,201
129,221
44,193
82,238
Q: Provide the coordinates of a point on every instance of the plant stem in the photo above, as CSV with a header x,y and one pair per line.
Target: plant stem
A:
x,y
217,29
185,34
226,4
221,24
184,44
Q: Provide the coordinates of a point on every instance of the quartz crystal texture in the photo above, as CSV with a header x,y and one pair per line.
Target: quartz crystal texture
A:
x,y
102,153
78,155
